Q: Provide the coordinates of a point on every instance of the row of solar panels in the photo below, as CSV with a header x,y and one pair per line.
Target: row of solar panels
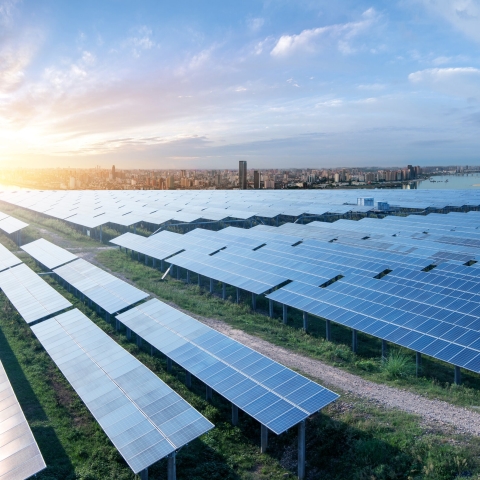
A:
x,y
145,419
94,208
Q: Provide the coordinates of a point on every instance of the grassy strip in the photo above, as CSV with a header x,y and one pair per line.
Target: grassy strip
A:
x,y
436,379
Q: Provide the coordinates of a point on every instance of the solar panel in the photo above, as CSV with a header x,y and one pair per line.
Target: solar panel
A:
x,y
271,393
143,417
7,258
20,456
102,288
11,225
48,253
31,295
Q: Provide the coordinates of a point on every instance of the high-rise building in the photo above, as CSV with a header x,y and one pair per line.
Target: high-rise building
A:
x,y
256,179
113,172
242,174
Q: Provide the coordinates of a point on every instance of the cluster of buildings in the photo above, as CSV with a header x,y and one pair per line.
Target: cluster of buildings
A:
x,y
155,179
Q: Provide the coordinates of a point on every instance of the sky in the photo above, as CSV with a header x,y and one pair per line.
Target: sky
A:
x,y
206,83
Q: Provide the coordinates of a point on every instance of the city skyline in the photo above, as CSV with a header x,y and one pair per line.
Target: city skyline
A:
x,y
204,85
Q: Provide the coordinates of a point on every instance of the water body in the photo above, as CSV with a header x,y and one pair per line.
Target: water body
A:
x,y
455,182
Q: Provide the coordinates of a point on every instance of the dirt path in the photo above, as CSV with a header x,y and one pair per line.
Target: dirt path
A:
x,y
435,413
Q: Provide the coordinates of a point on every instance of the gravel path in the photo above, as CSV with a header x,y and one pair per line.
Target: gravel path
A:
x,y
437,413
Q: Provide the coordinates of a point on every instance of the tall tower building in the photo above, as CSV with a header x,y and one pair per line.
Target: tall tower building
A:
x,y
256,179
242,174
113,172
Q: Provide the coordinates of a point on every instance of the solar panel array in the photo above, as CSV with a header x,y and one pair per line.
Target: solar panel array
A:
x,y
48,254
102,288
143,417
7,258
91,209
20,456
31,295
271,393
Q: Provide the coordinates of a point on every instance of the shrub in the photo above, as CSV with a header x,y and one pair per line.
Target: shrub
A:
x,y
397,365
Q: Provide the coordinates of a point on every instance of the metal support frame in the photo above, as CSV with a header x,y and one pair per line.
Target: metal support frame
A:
x,y
172,466
254,301
301,450
211,285
117,325
384,349
285,314
418,363
178,273
457,379
270,308
234,415
146,259
238,295
224,291
305,321
188,379
208,393
129,334
263,438
188,276
162,265
152,350
354,341
169,364
199,280
139,342
328,330
143,474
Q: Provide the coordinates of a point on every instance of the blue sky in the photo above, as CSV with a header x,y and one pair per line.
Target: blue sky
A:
x,y
203,84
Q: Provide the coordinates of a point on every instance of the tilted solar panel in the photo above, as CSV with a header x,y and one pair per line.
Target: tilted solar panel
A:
x,y
48,253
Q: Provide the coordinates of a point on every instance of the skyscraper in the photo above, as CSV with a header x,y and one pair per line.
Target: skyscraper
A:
x,y
256,179
113,172
242,174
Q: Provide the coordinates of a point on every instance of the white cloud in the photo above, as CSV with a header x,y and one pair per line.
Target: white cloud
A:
x,y
458,82
308,40
141,40
255,24
372,86
464,15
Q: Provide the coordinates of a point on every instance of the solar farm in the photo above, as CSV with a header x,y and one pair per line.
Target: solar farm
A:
x,y
121,319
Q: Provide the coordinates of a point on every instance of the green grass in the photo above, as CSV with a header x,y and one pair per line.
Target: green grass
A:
x,y
351,440
436,380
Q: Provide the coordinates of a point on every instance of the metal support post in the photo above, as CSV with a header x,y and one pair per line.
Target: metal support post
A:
x,y
208,393
238,295
211,285
418,363
172,467
154,263
188,379
199,280
234,415
143,474
117,325
384,349
169,364
152,350
285,314
263,438
162,265
328,330
139,342
254,301
100,233
224,291
188,276
129,334
354,340
457,377
305,321
146,259
270,308
178,273
138,256
301,450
